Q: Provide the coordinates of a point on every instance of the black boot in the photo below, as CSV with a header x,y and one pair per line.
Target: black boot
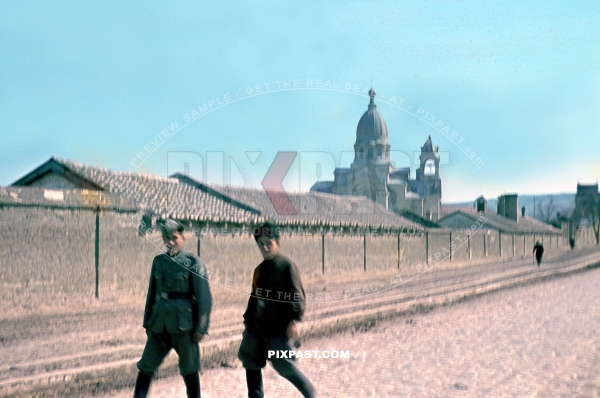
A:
x,y
254,383
142,385
192,385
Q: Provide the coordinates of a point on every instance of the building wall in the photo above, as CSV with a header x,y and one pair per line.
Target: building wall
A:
x,y
52,252
507,245
529,243
431,206
493,244
477,249
53,180
439,246
412,250
42,245
460,246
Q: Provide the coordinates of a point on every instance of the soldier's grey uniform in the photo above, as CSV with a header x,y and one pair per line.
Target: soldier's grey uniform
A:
x,y
178,305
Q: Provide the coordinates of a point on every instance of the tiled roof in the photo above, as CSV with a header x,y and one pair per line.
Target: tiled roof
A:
x,y
164,197
316,208
183,198
418,219
535,224
465,208
461,219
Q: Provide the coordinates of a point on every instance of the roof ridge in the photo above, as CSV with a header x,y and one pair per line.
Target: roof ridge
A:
x,y
68,163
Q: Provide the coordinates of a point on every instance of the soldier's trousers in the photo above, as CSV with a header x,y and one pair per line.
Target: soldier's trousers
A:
x,y
254,354
158,346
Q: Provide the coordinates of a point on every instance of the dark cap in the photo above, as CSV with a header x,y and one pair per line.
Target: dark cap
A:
x,y
170,226
267,229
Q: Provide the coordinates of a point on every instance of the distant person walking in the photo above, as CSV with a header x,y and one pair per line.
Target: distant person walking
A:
x,y
277,300
538,250
177,312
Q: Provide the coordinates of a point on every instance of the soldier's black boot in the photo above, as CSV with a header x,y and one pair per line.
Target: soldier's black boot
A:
x,y
255,383
142,385
192,385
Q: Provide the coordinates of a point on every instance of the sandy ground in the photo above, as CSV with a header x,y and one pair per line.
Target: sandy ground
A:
x,y
541,340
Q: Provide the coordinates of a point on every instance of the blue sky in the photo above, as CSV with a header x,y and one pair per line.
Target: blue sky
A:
x,y
116,85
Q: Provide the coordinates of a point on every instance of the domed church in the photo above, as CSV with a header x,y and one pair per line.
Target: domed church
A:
x,y
372,174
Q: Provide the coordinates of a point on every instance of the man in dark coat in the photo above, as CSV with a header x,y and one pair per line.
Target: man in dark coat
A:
x,y
277,301
538,250
177,312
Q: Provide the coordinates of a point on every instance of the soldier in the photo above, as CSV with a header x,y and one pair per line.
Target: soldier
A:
x,y
177,312
276,302
538,250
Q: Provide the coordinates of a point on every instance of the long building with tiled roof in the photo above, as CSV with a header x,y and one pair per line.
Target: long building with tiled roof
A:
x,y
464,220
186,199
160,196
318,209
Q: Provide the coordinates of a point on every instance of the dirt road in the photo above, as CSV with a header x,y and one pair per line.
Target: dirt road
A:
x,y
94,349
540,340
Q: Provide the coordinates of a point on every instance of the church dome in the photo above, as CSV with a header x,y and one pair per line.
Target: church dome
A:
x,y
371,125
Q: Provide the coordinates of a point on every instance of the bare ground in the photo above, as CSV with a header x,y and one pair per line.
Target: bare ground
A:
x,y
540,340
93,348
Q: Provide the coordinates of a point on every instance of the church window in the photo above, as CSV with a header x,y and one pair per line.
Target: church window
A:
x,y
429,168
393,198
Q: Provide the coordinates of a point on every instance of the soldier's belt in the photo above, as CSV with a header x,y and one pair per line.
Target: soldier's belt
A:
x,y
175,295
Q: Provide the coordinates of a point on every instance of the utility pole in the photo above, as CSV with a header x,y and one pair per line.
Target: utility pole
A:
x,y
323,253
97,250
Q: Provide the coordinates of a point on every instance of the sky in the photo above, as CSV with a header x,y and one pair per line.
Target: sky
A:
x,y
509,91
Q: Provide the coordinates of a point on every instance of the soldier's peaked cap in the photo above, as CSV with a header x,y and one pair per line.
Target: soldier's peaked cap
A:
x,y
170,226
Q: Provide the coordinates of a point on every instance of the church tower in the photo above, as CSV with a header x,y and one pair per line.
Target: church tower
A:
x,y
429,176
371,166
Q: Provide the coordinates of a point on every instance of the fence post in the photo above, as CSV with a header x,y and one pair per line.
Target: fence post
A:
x,y
365,252
323,252
398,250
469,243
426,247
484,246
450,246
198,243
500,242
97,249
513,244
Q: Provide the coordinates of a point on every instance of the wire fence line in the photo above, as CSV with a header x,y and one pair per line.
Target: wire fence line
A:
x,y
62,251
